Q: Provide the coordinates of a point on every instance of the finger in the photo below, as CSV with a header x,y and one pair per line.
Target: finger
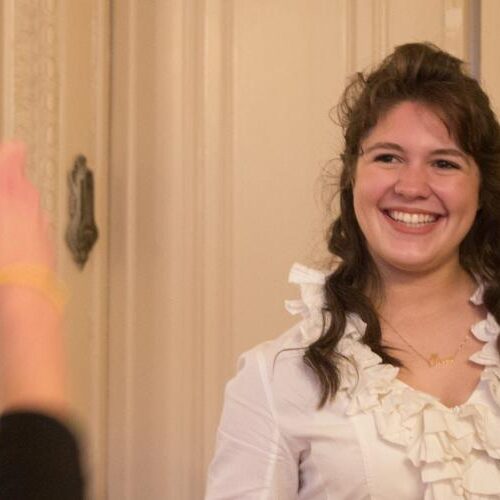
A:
x,y
12,161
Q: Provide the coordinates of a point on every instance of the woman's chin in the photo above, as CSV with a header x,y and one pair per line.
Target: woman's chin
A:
x,y
410,264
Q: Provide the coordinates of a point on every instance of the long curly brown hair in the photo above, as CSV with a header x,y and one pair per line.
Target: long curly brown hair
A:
x,y
413,72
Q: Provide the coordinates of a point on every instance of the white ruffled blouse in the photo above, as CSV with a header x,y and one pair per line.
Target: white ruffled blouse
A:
x,y
378,439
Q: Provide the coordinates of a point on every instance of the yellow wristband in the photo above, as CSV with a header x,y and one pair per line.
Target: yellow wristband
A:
x,y
41,279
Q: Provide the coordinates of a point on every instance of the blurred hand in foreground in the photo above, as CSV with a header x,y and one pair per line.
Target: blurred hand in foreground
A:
x,y
32,358
24,228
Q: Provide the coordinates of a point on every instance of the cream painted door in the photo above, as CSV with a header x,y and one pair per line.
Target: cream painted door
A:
x,y
220,134
55,82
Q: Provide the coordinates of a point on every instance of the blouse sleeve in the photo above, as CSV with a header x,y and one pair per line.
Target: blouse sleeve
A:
x,y
252,459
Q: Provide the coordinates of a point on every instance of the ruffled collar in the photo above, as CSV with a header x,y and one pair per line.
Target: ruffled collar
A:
x,y
457,450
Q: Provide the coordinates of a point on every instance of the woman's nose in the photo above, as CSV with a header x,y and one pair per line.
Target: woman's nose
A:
x,y
412,181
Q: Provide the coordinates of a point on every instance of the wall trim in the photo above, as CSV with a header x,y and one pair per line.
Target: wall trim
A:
x,y
31,89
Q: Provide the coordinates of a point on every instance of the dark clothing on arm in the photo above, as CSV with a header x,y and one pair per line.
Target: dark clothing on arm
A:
x,y
39,459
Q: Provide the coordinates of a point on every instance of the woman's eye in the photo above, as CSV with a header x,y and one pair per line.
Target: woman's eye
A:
x,y
446,165
385,158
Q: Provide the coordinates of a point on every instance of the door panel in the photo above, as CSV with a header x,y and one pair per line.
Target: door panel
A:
x,y
55,86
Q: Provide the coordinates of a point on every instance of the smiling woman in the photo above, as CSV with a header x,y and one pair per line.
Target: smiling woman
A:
x,y
415,192
395,370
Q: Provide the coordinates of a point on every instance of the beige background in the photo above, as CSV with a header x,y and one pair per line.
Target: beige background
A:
x,y
206,123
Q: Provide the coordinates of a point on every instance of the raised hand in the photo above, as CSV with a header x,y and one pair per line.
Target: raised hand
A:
x,y
32,359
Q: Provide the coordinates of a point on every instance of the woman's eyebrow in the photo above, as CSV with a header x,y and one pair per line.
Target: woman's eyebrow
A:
x,y
451,152
396,147
383,145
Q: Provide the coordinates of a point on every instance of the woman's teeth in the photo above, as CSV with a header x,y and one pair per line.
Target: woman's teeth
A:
x,y
412,219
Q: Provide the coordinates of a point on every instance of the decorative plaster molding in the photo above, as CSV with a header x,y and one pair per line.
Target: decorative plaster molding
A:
x,y
366,33
455,27
195,267
31,89
380,33
349,9
217,131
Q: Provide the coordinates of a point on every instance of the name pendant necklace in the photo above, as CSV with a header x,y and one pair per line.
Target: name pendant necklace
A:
x,y
434,360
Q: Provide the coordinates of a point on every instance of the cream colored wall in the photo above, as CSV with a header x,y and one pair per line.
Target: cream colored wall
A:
x,y
220,132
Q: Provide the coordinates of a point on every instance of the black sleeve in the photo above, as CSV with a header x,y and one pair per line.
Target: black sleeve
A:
x,y
39,459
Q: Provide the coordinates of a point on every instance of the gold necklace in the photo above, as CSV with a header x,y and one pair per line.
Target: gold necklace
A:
x,y
434,359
